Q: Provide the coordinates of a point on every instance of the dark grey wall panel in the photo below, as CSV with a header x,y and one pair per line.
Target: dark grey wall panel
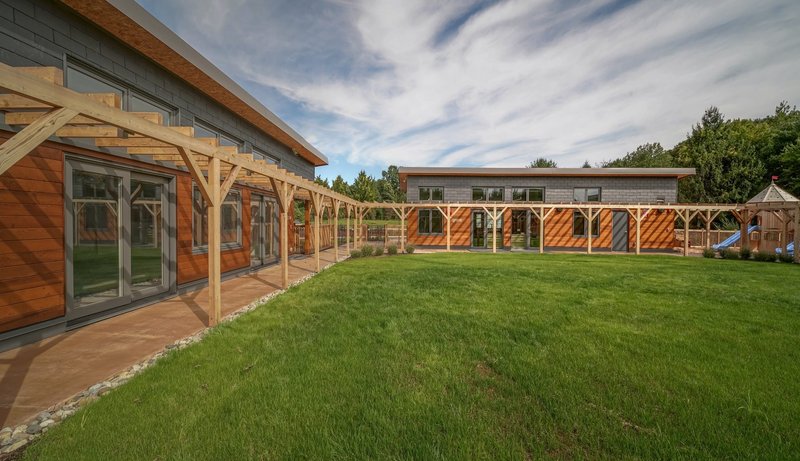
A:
x,y
557,188
43,33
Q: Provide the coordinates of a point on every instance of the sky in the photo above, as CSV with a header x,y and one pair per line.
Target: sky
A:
x,y
495,83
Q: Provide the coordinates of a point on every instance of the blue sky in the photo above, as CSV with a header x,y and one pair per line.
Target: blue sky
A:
x,y
495,83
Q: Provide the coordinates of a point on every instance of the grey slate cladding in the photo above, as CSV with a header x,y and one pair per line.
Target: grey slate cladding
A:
x,y
557,188
43,33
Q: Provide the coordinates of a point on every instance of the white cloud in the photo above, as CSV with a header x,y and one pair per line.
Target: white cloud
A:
x,y
518,79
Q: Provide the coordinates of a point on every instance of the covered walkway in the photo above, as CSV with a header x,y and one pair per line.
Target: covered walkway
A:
x,y
39,375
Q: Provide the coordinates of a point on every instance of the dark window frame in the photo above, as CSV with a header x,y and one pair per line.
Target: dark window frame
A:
x,y
220,134
199,201
430,193
128,90
527,192
263,155
430,212
586,194
485,193
577,215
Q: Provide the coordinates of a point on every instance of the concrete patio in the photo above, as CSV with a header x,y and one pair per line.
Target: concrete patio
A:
x,y
39,375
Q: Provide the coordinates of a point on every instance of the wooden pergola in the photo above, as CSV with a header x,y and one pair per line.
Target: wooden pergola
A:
x,y
36,99
706,212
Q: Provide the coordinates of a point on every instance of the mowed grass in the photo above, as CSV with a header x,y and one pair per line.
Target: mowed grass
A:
x,y
477,356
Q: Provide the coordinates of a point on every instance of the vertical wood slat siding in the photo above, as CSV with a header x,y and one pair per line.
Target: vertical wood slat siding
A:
x,y
32,239
658,231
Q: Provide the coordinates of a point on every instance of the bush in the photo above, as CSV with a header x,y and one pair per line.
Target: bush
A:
x,y
728,253
409,249
366,250
709,253
378,251
745,253
355,254
392,249
765,256
785,257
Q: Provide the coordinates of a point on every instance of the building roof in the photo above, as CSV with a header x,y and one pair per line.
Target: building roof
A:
x,y
132,24
773,194
677,173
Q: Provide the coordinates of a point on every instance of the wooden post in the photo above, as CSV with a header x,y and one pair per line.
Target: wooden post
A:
x,y
307,226
494,230
685,232
402,229
708,228
356,229
638,230
589,234
786,220
316,200
214,242
744,237
348,209
286,204
797,234
335,209
448,228
541,230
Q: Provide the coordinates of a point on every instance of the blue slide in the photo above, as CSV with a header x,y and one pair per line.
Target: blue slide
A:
x,y
789,248
733,239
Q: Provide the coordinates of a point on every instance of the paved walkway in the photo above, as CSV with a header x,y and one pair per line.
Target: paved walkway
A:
x,y
39,375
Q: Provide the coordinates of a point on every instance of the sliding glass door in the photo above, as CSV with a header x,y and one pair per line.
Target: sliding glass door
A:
x,y
117,239
263,230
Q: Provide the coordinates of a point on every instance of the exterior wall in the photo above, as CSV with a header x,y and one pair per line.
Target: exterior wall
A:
x,y
557,188
42,33
657,231
194,266
32,252
459,227
32,239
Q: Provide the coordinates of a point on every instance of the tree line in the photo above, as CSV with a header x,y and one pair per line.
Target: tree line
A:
x,y
735,158
366,188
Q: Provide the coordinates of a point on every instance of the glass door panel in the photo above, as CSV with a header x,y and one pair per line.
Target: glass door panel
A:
x,y
256,232
269,230
478,229
97,244
147,235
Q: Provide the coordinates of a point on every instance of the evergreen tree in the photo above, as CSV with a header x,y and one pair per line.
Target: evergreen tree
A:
x,y
543,162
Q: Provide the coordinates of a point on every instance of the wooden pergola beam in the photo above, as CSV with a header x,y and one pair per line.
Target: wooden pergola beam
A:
x,y
20,145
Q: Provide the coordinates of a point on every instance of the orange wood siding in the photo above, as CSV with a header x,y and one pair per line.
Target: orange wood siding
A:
x,y
459,227
658,230
32,239
192,266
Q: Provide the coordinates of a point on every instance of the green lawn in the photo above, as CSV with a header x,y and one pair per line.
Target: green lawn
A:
x,y
478,356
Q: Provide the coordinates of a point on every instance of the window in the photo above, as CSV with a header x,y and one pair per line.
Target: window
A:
x,y
204,130
579,225
491,194
139,103
430,222
231,220
586,194
535,194
96,216
261,155
84,80
435,194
